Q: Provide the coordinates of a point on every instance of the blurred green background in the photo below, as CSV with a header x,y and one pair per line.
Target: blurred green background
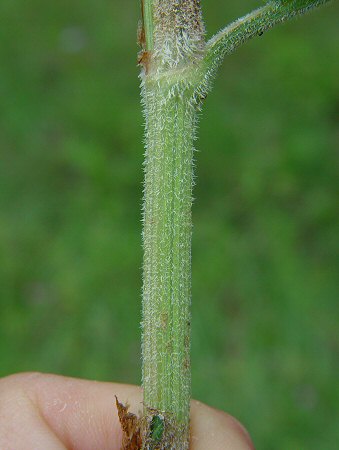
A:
x,y
265,244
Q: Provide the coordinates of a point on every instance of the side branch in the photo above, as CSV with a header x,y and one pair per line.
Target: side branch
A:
x,y
253,24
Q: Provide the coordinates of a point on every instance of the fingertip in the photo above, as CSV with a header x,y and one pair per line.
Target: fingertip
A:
x,y
212,428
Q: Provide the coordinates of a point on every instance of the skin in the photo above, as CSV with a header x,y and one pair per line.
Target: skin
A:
x,y
40,412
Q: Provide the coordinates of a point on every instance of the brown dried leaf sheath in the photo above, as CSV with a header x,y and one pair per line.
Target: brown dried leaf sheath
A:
x,y
130,424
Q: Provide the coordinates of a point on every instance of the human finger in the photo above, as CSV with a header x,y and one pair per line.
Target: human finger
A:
x,y
80,414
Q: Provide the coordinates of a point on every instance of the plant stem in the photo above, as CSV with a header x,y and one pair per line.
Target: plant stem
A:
x,y
171,118
170,108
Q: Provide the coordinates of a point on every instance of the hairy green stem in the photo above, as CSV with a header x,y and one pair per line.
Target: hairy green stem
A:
x,y
169,77
167,255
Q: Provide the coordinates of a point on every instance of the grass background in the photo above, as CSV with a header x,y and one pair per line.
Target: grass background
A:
x,y
265,244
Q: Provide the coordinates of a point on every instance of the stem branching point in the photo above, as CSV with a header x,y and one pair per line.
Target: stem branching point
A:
x,y
178,68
